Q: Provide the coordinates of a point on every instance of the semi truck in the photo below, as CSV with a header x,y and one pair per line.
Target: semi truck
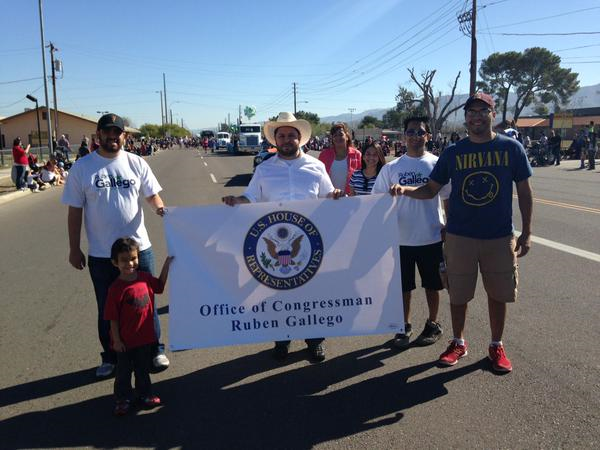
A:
x,y
250,138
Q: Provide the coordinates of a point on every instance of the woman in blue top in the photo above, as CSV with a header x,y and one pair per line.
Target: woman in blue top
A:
x,y
362,181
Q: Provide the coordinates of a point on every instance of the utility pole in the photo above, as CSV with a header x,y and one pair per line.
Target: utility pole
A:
x,y
351,121
162,114
294,84
182,122
52,50
239,115
171,112
468,25
48,121
165,92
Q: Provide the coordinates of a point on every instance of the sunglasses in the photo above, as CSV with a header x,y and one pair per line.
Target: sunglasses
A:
x,y
412,132
478,112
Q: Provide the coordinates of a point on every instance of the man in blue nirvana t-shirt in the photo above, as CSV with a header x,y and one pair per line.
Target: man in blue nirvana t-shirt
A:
x,y
482,169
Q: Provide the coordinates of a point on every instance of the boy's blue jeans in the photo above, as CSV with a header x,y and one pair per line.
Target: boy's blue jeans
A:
x,y
103,273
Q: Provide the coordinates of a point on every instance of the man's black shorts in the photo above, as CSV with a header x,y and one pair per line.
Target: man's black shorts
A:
x,y
427,258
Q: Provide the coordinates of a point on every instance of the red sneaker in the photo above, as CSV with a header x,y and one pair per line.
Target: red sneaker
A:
x,y
500,362
453,353
151,401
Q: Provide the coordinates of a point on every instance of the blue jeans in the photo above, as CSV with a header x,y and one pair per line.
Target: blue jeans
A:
x,y
21,181
103,274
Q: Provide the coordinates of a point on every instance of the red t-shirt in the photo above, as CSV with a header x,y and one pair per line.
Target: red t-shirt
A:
x,y
19,155
132,304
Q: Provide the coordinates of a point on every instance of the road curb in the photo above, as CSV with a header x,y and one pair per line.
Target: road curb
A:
x,y
5,198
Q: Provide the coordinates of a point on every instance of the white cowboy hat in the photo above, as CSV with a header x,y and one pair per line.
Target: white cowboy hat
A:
x,y
287,119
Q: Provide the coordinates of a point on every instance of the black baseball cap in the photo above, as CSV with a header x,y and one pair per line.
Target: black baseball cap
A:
x,y
110,120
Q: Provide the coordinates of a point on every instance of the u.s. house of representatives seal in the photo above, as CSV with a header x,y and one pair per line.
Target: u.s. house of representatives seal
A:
x,y
283,250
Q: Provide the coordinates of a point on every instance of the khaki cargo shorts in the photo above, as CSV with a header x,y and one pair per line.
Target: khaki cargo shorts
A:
x,y
495,258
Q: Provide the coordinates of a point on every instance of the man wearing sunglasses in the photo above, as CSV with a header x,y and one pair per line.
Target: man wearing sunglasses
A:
x,y
420,224
482,169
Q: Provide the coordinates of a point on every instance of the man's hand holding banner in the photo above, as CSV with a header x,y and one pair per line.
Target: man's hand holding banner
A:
x,y
277,271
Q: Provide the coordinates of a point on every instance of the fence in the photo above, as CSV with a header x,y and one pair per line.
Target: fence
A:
x,y
6,158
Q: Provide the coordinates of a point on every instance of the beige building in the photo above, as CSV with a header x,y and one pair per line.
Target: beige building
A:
x,y
24,125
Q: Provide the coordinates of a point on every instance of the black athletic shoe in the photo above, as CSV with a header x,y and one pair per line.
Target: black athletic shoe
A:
x,y
401,340
280,351
431,333
317,353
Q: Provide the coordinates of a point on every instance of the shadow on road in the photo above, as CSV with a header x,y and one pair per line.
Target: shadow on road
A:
x,y
46,387
223,407
239,180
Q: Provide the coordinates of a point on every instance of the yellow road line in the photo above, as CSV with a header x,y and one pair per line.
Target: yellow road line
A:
x,y
565,205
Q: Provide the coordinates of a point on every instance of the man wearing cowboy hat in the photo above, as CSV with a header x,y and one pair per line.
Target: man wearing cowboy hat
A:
x,y
290,175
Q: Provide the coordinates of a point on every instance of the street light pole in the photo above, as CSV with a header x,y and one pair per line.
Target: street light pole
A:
x,y
48,118
37,113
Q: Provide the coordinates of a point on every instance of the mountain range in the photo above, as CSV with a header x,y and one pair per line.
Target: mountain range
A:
x,y
585,97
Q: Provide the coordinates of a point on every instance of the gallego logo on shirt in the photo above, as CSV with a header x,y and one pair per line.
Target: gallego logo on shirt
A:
x,y
113,181
411,178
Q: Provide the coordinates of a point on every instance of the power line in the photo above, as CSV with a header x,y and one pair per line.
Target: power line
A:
x,y
364,63
546,34
20,81
443,30
21,99
538,19
575,48
386,68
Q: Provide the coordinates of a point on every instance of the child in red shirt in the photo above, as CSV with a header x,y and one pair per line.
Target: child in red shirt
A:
x,y
130,309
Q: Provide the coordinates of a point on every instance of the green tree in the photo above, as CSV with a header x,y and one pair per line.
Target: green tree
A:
x,y
541,110
543,79
150,130
370,122
534,75
128,122
407,105
313,118
500,72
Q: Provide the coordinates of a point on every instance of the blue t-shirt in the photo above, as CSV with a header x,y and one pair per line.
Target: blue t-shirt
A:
x,y
482,175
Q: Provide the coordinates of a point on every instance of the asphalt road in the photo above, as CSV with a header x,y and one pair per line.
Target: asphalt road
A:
x,y
365,395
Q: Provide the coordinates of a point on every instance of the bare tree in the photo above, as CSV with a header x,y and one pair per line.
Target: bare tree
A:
x,y
431,103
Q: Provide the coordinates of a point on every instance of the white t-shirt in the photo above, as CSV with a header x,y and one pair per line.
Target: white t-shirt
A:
x,y
110,192
47,175
278,179
339,173
419,221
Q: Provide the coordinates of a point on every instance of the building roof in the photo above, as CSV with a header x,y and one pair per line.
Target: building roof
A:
x,y
78,116
530,122
585,120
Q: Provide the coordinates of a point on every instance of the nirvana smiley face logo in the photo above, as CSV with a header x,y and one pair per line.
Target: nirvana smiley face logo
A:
x,y
283,250
480,188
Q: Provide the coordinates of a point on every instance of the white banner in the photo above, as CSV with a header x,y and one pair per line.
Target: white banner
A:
x,y
276,271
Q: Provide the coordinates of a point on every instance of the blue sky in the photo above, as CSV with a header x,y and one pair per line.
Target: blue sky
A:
x,y
218,55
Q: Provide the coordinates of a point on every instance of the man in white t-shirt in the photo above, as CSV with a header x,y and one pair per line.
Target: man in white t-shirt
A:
x,y
421,225
290,175
105,190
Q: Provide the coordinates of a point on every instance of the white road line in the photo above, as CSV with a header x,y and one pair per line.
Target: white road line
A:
x,y
205,163
212,177
564,248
